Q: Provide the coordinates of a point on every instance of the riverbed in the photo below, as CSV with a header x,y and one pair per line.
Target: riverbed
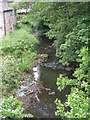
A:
x,y
38,95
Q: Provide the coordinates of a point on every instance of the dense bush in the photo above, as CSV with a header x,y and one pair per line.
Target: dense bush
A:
x,y
11,108
78,103
78,100
18,52
11,75
18,42
74,41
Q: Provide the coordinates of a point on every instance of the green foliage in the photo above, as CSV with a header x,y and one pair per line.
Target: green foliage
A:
x,y
78,103
20,45
60,108
80,88
63,81
12,108
68,24
74,41
11,75
18,42
82,73
40,16
18,50
27,61
23,21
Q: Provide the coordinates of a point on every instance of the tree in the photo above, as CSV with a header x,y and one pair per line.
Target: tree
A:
x,y
69,24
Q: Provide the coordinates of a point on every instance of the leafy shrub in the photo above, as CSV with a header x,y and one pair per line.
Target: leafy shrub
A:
x,y
77,100
75,40
78,103
11,75
12,108
19,41
18,52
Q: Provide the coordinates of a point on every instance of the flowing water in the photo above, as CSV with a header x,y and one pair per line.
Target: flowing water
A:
x,y
43,90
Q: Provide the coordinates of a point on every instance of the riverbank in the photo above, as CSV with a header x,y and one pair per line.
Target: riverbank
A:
x,y
39,93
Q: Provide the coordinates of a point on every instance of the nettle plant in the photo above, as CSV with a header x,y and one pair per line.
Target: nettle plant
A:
x,y
12,108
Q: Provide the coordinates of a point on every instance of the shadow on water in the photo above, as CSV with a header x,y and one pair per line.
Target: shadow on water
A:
x,y
41,104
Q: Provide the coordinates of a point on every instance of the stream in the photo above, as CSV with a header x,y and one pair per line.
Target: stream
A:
x,y
38,95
